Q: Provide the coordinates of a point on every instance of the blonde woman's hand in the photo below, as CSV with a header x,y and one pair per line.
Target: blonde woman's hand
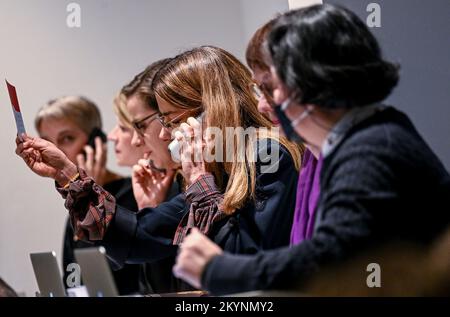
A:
x,y
94,162
45,159
195,253
150,187
190,137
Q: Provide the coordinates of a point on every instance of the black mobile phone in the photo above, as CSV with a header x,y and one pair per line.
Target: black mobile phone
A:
x,y
96,132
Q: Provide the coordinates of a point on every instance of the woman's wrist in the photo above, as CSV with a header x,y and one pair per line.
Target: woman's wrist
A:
x,y
194,177
66,174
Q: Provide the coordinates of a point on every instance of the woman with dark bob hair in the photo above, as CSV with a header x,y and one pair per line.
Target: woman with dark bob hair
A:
x,y
380,183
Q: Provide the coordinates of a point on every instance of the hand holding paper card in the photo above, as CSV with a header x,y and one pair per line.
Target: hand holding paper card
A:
x,y
16,109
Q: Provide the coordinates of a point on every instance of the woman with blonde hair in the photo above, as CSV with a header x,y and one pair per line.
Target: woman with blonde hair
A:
x,y
243,203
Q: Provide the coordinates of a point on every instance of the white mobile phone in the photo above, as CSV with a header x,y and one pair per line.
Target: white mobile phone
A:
x,y
174,146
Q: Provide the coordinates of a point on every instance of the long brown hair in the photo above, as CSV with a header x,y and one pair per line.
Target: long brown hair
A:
x,y
211,79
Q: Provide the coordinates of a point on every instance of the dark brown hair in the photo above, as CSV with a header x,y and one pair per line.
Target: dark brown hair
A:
x,y
140,85
255,54
327,56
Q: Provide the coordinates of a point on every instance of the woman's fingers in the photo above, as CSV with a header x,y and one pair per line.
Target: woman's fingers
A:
x,y
38,143
138,172
19,148
28,152
29,143
89,157
208,248
185,145
194,241
19,140
195,124
81,161
147,171
179,136
197,143
22,138
31,156
187,130
196,130
143,163
100,152
188,134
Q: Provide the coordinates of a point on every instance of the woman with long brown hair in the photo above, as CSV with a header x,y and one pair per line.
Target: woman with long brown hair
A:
x,y
241,202
220,89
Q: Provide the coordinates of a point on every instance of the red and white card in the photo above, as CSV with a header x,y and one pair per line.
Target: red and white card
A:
x,y
16,108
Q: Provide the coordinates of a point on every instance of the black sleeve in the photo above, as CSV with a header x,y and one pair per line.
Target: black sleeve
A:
x,y
276,187
68,246
145,236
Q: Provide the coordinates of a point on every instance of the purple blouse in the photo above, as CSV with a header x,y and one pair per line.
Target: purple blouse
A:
x,y
308,190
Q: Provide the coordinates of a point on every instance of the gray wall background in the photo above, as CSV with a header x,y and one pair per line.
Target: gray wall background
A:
x,y
416,34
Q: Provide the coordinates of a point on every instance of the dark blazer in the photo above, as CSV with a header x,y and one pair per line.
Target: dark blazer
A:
x,y
262,224
128,277
381,184
154,277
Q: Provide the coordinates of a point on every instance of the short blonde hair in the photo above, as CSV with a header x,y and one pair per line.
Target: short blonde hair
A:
x,y
79,110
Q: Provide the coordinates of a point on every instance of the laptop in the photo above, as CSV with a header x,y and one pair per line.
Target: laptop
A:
x,y
96,273
48,276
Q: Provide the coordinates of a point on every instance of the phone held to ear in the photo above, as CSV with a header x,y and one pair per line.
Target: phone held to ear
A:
x,y
174,146
96,132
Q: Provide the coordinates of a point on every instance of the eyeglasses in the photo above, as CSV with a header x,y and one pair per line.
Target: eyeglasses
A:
x,y
175,122
256,91
140,126
262,90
